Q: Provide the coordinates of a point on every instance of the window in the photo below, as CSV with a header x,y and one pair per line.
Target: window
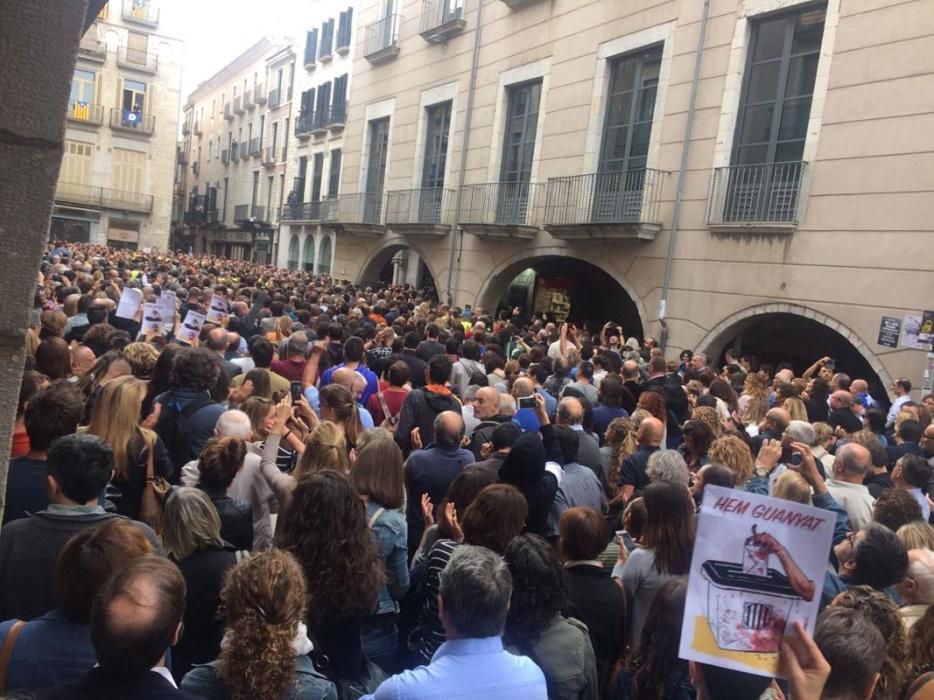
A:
x,y
128,169
327,39
269,183
430,202
344,28
298,186
255,193
137,46
339,101
226,188
262,129
275,134
213,107
307,110
518,151
771,127
317,174
311,46
322,117
122,234
133,102
76,166
376,169
334,175
82,87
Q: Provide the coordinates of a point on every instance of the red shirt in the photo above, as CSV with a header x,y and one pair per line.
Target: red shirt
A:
x,y
290,369
394,399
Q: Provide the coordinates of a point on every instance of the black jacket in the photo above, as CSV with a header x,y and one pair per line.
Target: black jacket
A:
x,y
417,367
236,520
524,468
483,433
419,411
96,685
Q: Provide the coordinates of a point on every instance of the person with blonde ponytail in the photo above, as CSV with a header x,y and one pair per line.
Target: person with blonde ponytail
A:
x,y
264,653
116,420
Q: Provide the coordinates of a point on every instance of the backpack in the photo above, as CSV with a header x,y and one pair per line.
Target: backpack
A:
x,y
173,427
389,421
474,376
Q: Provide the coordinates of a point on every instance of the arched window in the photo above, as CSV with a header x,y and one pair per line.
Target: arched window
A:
x,y
308,259
324,257
293,253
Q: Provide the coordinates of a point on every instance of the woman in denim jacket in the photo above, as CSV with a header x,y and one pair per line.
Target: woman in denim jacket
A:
x,y
378,475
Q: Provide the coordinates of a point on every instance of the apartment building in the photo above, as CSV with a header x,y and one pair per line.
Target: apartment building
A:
x,y
115,183
314,164
751,174
235,143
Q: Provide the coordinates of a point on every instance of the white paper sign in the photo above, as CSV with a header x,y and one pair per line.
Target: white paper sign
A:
x,y
191,327
758,566
218,311
130,300
166,304
911,326
153,319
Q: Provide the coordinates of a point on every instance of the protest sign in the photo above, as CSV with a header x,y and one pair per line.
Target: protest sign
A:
x,y
129,303
218,311
889,328
191,327
758,566
926,333
911,326
166,305
152,318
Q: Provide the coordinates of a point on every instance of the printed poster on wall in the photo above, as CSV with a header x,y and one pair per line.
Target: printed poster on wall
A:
x,y
758,566
911,326
926,334
889,328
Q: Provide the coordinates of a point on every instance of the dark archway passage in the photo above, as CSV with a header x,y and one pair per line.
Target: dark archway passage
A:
x,y
397,264
564,288
783,337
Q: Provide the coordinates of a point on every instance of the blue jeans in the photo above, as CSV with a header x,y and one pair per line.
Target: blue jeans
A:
x,y
380,640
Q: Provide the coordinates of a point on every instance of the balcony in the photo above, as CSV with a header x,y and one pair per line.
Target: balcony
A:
x,y
517,4
319,125
197,129
259,94
311,54
498,210
135,59
91,50
132,122
200,216
357,214
337,117
255,149
422,212
225,157
234,152
85,113
228,113
249,212
300,212
102,197
185,128
762,198
269,157
381,43
303,125
181,157
441,19
245,150
238,105
196,168
248,102
622,204
140,12
275,96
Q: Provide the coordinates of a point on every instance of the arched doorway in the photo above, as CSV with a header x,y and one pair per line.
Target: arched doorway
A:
x,y
775,333
324,256
308,254
563,288
292,262
397,263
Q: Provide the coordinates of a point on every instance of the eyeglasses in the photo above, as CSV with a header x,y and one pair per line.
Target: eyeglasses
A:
x,y
851,539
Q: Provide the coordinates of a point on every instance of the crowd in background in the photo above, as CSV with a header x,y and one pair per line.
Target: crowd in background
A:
x,y
343,492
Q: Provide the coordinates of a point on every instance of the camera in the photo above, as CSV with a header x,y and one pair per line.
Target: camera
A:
x,y
526,402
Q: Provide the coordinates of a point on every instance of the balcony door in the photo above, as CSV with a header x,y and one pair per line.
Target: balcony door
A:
x,y
137,47
512,199
431,198
376,170
773,116
618,184
317,177
133,102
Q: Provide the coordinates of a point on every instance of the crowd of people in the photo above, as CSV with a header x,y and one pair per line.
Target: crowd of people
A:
x,y
343,492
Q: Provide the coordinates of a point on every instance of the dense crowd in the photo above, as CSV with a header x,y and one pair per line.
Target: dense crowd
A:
x,y
342,492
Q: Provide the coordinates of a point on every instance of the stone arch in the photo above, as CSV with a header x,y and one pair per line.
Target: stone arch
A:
x,y
714,342
308,253
496,282
325,254
292,261
374,263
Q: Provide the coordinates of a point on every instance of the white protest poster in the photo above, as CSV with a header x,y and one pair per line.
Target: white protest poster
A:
x,y
166,304
129,303
218,311
911,326
758,566
191,327
153,318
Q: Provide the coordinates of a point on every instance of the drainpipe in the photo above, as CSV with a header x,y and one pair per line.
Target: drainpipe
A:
x,y
685,150
457,233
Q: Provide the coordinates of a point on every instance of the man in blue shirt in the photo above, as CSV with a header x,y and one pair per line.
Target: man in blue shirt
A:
x,y
474,597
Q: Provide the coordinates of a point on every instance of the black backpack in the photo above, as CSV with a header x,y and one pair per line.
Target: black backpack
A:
x,y
173,427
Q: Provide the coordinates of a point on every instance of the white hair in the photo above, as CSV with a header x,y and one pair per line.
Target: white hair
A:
x,y
921,569
668,465
234,423
507,405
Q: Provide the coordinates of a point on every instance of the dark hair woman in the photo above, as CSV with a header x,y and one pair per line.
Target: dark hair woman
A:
x,y
492,520
338,406
667,542
535,627
654,671
378,475
325,527
697,437
266,647
219,463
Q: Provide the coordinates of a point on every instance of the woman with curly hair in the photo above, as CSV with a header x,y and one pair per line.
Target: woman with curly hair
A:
x,y
265,649
754,401
536,628
325,527
654,403
921,644
492,520
655,671
883,613
619,443
733,453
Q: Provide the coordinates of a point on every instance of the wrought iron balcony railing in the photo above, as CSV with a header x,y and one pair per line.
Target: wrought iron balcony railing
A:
x,y
763,194
501,203
421,206
138,60
85,113
103,197
135,122
141,12
360,208
301,211
441,19
381,41
620,197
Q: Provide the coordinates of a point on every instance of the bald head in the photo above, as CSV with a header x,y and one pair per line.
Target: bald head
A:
x,y
344,377
777,419
859,386
851,463
449,429
82,359
841,400
784,376
486,403
650,432
523,386
630,370
217,339
570,411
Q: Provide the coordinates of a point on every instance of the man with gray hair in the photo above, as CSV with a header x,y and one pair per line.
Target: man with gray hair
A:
x,y
917,590
846,484
668,465
248,485
474,598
